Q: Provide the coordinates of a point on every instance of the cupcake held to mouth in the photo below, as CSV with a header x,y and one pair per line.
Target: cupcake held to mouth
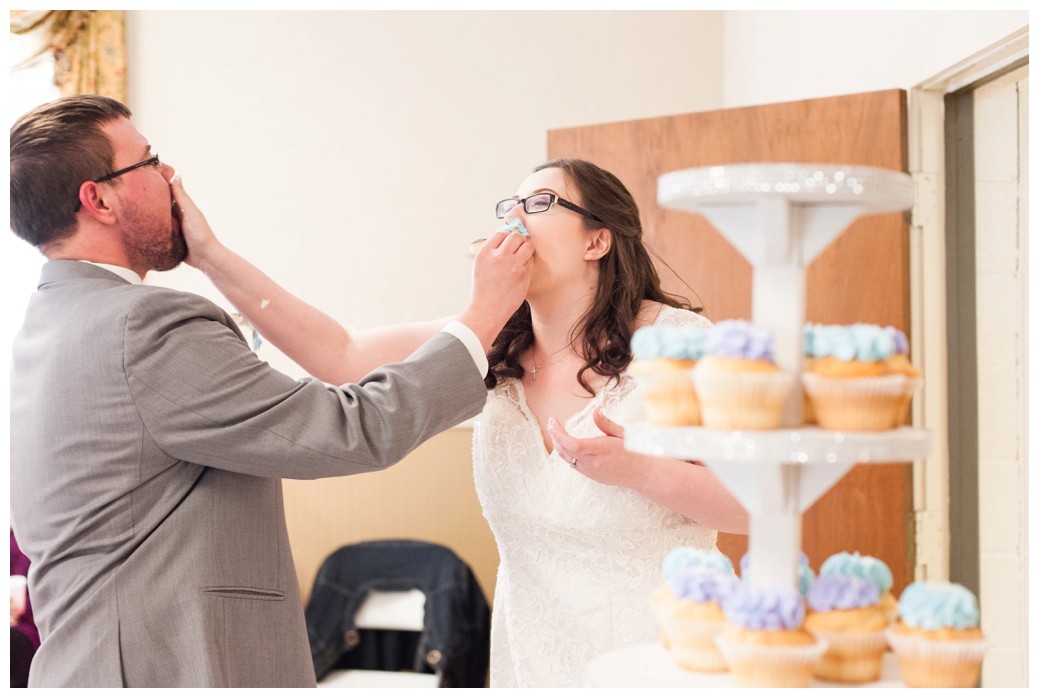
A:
x,y
510,225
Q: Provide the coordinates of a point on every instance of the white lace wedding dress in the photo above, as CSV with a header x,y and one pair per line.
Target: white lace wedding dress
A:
x,y
578,558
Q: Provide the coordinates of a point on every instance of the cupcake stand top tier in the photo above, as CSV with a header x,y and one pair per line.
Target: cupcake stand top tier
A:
x,y
780,217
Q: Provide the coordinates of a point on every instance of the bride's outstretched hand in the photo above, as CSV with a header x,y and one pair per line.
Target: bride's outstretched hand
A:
x,y
602,458
193,225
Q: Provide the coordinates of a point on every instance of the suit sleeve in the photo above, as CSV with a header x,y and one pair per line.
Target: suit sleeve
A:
x,y
205,397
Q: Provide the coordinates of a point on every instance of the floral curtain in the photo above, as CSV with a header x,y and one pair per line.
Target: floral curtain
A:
x,y
89,48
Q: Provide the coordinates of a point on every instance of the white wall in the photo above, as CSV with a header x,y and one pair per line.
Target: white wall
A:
x,y
353,155
786,56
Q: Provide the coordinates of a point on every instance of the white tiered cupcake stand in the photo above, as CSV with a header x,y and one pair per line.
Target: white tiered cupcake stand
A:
x,y
780,217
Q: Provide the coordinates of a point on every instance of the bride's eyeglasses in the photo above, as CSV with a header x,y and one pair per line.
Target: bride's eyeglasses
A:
x,y
539,203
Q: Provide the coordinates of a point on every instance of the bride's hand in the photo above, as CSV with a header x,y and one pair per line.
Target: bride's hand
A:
x,y
202,242
601,458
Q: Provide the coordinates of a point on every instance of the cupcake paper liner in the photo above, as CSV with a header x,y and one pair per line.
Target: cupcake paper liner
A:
x,y
664,603
742,400
776,666
912,385
856,404
668,395
938,664
851,657
693,644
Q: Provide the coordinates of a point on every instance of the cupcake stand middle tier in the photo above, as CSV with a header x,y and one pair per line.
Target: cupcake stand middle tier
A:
x,y
780,217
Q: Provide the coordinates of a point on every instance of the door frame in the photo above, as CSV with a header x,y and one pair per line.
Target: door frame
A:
x,y
928,287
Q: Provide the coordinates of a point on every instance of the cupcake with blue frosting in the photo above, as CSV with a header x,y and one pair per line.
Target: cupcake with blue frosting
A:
x,y
852,379
765,643
663,357
937,638
845,612
738,382
869,568
899,363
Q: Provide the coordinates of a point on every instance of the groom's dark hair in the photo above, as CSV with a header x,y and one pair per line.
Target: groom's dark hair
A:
x,y
54,149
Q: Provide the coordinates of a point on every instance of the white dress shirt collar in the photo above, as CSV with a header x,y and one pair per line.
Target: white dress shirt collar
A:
x,y
127,274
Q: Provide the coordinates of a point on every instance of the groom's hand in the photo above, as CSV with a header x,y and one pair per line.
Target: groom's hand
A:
x,y
501,274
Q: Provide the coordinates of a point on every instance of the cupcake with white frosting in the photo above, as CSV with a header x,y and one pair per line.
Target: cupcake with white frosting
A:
x,y
844,611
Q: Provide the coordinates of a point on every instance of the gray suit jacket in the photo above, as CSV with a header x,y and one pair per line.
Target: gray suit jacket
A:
x,y
147,443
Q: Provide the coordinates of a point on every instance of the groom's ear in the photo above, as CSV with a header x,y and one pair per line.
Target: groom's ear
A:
x,y
93,203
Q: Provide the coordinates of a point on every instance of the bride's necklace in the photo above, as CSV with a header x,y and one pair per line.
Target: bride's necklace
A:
x,y
535,366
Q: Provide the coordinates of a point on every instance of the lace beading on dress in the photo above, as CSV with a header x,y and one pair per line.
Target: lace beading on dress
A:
x,y
578,558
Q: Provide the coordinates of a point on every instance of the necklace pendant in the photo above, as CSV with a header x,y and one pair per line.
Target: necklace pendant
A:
x,y
534,368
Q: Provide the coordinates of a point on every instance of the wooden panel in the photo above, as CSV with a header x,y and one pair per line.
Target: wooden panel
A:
x,y
862,277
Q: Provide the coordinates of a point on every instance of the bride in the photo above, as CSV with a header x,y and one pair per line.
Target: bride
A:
x,y
581,524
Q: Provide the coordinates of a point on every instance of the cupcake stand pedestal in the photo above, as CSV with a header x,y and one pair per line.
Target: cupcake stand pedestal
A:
x,y
780,217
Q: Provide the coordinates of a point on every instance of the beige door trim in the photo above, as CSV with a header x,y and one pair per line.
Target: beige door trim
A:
x,y
926,159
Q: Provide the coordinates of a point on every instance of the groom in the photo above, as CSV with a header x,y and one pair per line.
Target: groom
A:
x,y
147,440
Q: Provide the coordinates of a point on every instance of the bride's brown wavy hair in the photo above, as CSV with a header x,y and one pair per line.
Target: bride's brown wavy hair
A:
x,y
627,278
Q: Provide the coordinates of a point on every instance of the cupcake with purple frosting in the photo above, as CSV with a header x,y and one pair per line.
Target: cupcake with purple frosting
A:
x,y
765,643
738,382
844,611
696,618
678,562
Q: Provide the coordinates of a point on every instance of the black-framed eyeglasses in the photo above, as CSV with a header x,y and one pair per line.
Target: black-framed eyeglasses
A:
x,y
153,160
541,202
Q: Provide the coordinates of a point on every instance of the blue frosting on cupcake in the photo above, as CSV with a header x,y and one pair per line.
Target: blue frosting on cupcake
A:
x,y
685,342
684,557
937,605
862,566
513,224
858,342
